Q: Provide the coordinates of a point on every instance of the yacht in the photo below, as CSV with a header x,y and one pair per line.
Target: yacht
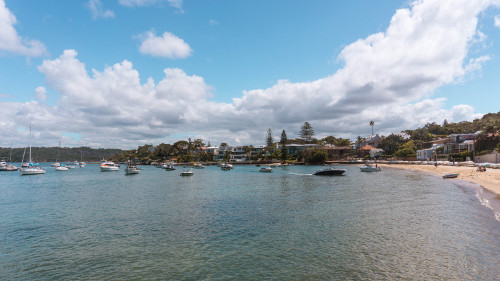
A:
x,y
108,166
32,168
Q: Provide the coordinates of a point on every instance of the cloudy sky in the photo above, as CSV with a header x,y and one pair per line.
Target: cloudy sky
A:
x,y
122,73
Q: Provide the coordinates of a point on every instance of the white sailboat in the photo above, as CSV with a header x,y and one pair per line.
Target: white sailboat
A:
x,y
33,168
59,166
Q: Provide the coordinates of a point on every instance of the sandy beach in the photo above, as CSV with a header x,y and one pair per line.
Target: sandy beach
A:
x,y
490,179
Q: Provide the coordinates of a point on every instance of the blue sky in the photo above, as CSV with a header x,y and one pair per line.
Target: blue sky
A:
x,y
121,73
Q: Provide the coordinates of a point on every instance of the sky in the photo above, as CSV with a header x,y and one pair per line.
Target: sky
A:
x,y
124,73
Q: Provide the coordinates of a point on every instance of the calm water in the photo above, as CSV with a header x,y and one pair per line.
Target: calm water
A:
x,y
244,225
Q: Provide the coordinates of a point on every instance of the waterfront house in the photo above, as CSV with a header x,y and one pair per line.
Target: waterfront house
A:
x,y
458,143
335,153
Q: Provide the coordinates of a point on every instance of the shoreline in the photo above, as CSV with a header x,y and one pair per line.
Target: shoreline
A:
x,y
489,180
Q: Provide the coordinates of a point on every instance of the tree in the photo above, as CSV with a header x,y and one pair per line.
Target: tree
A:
x,y
391,144
372,123
269,139
306,132
315,156
283,145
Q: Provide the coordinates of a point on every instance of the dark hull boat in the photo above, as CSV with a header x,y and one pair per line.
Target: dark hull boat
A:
x,y
330,171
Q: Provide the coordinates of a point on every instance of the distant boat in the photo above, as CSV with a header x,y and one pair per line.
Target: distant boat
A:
x,y
131,169
59,166
369,168
266,169
168,167
226,166
82,164
198,166
33,168
450,176
108,166
330,171
187,173
8,167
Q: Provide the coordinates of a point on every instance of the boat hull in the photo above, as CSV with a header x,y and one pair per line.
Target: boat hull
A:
x,y
109,168
330,172
28,172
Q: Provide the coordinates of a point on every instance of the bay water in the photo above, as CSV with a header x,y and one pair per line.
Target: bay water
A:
x,y
84,224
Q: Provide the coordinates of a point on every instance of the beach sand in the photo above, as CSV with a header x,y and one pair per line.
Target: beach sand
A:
x,y
490,179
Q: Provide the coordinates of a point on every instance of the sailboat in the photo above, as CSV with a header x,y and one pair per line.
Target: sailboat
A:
x,y
10,167
59,166
33,168
82,164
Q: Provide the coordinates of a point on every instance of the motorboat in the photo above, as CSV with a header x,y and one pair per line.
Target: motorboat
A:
x,y
31,168
132,169
82,164
266,169
70,166
226,166
330,171
108,166
168,167
369,168
450,176
187,173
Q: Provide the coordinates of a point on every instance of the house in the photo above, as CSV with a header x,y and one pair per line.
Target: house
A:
x,y
365,150
427,154
335,153
373,140
459,143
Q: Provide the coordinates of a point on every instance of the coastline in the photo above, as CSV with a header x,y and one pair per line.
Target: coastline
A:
x,y
489,180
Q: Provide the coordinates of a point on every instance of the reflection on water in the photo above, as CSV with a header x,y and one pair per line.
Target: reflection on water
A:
x,y
242,224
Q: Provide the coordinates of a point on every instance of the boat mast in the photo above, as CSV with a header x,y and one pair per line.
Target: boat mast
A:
x,y
30,144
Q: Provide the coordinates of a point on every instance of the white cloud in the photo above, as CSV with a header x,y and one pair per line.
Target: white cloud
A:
x,y
10,41
168,45
41,93
388,77
132,3
497,21
213,22
98,11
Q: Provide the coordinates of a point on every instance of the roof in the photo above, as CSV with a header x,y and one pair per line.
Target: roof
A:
x,y
367,147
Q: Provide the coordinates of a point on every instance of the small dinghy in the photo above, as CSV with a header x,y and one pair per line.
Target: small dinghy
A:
x,y
450,176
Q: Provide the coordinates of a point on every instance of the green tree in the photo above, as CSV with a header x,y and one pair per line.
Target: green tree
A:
x,y
391,144
283,141
269,139
306,132
315,156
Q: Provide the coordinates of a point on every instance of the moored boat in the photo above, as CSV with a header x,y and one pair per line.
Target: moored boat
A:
x,y
108,166
369,168
266,169
187,173
31,168
330,171
132,169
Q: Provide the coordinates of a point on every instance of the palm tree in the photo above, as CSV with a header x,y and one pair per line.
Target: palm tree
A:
x,y
372,123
